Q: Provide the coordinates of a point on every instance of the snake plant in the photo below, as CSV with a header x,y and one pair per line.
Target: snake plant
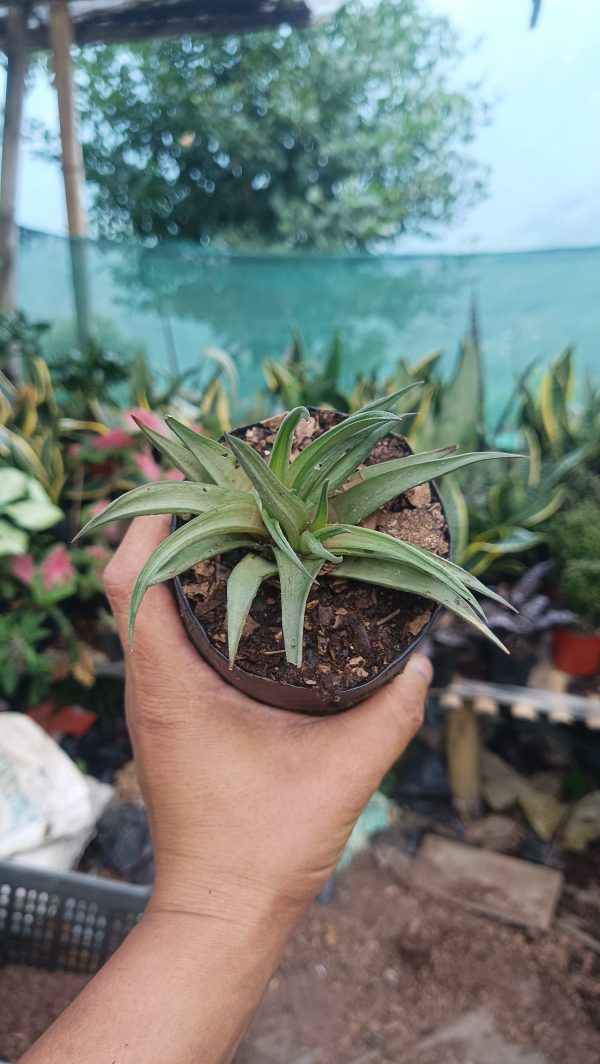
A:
x,y
295,518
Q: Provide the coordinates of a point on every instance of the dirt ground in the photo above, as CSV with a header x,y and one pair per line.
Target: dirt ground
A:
x,y
385,975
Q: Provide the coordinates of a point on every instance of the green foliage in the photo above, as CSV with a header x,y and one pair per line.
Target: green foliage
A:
x,y
19,342
24,508
580,589
574,534
287,513
297,380
543,411
88,377
345,135
22,634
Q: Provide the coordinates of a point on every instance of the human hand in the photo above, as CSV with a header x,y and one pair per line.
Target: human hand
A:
x,y
249,806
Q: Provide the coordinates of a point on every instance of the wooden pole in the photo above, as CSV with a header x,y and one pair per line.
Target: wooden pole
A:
x,y
463,748
17,55
61,38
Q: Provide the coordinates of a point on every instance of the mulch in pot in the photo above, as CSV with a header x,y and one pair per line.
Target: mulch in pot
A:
x,y
352,630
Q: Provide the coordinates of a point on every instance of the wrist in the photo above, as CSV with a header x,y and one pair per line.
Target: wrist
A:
x,y
188,888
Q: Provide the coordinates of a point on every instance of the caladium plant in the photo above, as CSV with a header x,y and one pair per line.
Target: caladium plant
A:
x,y
296,518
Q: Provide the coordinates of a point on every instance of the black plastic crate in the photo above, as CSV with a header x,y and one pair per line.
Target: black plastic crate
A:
x,y
64,920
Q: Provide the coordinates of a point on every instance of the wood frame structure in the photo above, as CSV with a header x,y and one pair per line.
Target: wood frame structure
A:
x,y
56,25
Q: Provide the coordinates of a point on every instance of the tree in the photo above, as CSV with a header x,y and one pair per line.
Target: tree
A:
x,y
342,136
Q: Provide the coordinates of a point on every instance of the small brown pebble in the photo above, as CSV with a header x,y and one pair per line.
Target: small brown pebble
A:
x,y
326,615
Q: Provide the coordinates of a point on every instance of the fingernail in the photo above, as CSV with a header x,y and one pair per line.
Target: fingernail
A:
x,y
423,666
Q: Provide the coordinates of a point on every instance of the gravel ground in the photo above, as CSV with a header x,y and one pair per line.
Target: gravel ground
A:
x,y
385,975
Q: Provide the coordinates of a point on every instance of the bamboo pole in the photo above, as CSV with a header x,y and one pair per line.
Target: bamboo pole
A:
x,y
17,55
463,748
61,38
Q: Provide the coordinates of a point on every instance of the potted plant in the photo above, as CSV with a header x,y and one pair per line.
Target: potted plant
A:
x,y
577,650
308,552
574,538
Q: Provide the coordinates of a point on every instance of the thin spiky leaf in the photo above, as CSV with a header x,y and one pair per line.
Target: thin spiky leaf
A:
x,y
321,460
279,462
177,454
404,578
279,537
367,543
309,544
219,463
321,516
166,497
281,504
214,531
387,480
295,588
242,587
387,402
414,459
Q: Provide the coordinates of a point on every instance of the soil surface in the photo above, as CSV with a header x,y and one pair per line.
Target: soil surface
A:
x,y
387,975
352,630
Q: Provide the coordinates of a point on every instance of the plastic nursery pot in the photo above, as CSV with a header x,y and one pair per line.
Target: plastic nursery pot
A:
x,y
296,698
576,653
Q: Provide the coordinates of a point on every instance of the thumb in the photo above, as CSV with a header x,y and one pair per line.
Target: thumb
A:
x,y
381,728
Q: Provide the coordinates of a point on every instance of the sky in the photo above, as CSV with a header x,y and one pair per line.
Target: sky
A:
x,y
542,146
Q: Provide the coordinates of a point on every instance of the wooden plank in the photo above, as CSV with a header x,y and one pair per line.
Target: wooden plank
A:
x,y
492,884
17,60
150,21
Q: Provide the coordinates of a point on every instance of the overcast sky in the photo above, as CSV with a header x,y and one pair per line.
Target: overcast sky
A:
x,y
542,146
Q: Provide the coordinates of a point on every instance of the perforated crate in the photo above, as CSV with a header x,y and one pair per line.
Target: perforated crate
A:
x,y
64,920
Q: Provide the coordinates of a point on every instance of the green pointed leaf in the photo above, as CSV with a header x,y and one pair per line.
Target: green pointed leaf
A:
x,y
387,480
166,497
279,462
322,511
476,585
295,588
177,454
309,544
404,578
283,505
242,586
278,536
216,460
387,401
365,542
322,459
202,537
413,460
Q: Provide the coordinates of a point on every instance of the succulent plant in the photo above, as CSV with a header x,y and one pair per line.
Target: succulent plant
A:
x,y
295,518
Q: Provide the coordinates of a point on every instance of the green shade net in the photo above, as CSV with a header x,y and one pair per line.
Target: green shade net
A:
x,y
176,299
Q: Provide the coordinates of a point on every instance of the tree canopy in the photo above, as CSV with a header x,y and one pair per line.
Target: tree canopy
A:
x,y
343,136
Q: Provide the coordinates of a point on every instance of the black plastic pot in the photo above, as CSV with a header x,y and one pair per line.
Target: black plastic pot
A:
x,y
287,696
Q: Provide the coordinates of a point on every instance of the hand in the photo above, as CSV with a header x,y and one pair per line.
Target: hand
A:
x,y
249,806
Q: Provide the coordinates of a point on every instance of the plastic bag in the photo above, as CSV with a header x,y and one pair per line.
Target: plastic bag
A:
x,y
48,808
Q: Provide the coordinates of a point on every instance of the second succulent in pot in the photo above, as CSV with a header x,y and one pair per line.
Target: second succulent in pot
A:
x,y
296,519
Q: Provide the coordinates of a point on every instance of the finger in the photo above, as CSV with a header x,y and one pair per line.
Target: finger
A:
x,y
379,730
158,614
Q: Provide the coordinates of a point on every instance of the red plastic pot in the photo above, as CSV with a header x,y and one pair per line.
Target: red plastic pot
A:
x,y
576,653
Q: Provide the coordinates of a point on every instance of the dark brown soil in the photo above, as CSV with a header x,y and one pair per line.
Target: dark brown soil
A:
x,y
374,977
352,630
